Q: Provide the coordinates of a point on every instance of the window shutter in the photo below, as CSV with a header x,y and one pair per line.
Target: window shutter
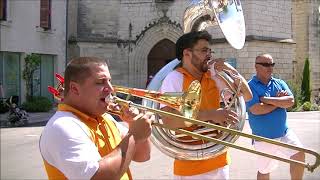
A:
x,y
45,14
3,9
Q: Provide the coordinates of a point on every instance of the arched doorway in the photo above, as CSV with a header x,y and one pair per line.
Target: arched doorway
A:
x,y
161,53
139,61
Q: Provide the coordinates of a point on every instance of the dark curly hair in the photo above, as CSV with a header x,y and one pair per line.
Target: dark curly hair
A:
x,y
189,40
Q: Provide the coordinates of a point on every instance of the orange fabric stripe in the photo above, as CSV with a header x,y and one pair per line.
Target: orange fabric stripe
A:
x,y
209,90
209,100
53,172
191,168
104,133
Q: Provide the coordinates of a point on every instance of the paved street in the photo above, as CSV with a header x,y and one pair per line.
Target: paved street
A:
x,y
20,157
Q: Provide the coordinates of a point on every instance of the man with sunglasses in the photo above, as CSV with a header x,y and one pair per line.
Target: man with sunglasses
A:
x,y
268,118
193,49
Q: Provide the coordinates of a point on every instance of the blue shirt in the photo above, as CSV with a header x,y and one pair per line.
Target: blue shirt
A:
x,y
273,124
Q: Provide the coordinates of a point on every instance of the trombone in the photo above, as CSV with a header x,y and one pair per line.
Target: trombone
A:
x,y
310,167
175,101
143,93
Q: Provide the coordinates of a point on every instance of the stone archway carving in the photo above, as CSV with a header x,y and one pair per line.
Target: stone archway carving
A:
x,y
139,58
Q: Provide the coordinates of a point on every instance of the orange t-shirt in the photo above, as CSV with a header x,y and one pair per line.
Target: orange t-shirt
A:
x,y
104,134
209,100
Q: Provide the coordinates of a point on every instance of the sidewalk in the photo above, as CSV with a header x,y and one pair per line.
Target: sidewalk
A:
x,y
39,118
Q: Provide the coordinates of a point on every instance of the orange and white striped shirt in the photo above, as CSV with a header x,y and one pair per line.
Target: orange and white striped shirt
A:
x,y
179,81
72,143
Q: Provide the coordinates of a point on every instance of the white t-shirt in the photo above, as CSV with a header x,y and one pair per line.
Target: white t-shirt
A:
x,y
66,144
168,86
173,82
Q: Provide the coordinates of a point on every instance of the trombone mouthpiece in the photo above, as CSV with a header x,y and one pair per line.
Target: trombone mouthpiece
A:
x,y
211,61
109,99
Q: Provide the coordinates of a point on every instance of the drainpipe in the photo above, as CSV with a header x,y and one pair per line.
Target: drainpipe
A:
x,y
129,50
66,43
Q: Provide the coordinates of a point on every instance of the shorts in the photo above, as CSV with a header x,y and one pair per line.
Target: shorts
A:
x,y
265,164
221,173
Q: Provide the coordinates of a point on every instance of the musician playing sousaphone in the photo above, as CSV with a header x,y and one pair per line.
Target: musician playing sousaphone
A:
x,y
194,51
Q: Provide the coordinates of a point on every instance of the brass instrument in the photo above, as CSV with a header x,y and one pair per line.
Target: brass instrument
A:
x,y
310,167
228,14
57,92
187,103
199,15
192,101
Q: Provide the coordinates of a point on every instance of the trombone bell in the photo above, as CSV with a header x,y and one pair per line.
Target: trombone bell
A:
x,y
188,103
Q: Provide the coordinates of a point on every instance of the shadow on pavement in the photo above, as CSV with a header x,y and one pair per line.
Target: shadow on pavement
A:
x,y
36,124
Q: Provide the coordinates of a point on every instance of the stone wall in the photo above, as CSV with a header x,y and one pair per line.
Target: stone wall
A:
x,y
282,54
141,14
115,55
314,45
300,35
125,31
306,34
270,19
98,19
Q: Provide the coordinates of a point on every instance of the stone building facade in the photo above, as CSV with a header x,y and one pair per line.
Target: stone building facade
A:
x,y
137,36
306,34
21,34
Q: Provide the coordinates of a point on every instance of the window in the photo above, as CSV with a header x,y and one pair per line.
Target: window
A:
x,y
3,10
43,77
45,14
10,73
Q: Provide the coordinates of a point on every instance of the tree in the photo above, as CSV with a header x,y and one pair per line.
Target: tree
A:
x,y
305,85
32,62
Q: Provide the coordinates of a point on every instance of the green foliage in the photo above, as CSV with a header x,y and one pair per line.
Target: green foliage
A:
x,y
306,106
301,93
295,89
305,85
32,63
37,104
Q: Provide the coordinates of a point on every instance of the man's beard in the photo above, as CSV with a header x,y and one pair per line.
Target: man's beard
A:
x,y
204,67
201,66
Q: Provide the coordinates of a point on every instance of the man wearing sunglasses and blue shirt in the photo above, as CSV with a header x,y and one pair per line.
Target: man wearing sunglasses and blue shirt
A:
x,y
268,118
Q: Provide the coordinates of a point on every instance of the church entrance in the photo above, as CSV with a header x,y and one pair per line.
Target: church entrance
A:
x,y
161,53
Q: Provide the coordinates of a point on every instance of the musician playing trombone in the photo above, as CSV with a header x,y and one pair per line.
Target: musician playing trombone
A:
x,y
194,51
82,141
268,118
